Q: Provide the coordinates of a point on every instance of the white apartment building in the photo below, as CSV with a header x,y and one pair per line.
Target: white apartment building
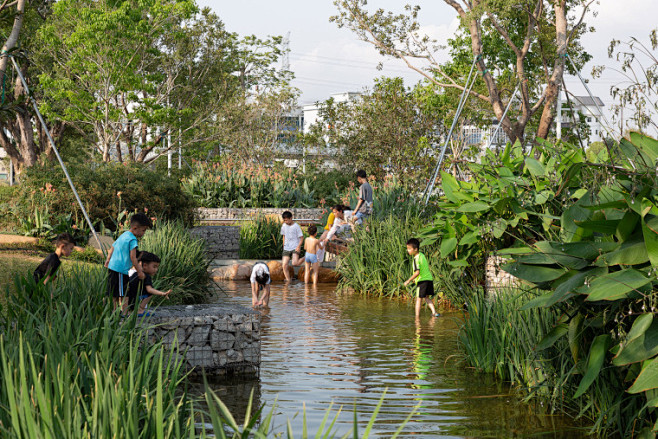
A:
x,y
311,112
590,109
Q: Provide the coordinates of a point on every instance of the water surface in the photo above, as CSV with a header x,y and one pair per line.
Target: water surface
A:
x,y
320,347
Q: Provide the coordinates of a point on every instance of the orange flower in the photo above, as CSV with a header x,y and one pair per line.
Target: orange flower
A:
x,y
119,194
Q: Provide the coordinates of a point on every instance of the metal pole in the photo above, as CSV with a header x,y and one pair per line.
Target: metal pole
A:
x,y
180,147
500,122
59,158
460,106
11,171
558,130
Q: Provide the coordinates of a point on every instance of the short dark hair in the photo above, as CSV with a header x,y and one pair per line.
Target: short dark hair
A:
x,y
66,238
312,230
262,278
287,214
339,208
141,220
413,242
361,173
146,257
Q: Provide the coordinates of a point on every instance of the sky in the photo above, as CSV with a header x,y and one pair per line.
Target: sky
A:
x,y
326,59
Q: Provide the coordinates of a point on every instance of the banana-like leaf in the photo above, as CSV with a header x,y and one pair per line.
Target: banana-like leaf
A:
x,y
640,326
595,360
646,144
585,249
475,206
648,378
641,348
575,333
554,335
630,253
533,273
650,233
616,285
536,169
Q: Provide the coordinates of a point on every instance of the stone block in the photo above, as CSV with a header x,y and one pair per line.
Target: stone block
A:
x,y
221,341
199,335
199,357
325,275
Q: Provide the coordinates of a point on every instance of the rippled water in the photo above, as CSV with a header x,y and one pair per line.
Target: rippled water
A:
x,y
320,347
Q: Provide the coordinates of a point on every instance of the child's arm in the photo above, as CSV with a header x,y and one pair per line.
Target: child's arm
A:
x,y
136,264
109,255
151,290
413,276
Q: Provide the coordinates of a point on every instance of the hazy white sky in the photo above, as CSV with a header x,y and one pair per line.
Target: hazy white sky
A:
x,y
326,59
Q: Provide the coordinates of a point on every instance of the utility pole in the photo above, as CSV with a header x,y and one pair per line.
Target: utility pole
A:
x,y
558,129
11,171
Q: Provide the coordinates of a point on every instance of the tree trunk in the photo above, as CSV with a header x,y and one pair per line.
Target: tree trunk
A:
x,y
552,88
12,40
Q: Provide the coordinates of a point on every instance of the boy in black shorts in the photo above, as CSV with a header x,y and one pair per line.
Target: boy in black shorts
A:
x,y
142,289
122,256
422,277
46,271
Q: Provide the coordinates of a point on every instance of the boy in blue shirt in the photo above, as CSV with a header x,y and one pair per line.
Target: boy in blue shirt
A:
x,y
122,256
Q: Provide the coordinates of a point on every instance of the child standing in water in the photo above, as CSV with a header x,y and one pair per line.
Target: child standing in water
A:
x,y
260,280
312,245
422,277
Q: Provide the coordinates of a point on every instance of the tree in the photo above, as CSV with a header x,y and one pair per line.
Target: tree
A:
x,y
21,135
388,129
638,92
522,41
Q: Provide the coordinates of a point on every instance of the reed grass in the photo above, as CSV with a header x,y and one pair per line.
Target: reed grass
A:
x,y
72,368
499,337
261,238
184,266
377,261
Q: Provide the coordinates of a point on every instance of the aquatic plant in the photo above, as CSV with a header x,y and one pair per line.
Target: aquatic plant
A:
x,y
261,238
377,261
184,266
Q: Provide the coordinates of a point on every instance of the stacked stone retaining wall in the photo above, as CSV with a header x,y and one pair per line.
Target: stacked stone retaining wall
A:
x,y
222,242
216,338
227,213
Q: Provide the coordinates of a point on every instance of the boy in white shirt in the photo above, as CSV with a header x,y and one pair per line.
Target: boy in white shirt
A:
x,y
292,244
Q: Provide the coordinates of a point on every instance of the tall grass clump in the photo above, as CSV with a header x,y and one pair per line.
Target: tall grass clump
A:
x,y
184,266
71,368
499,336
261,238
377,261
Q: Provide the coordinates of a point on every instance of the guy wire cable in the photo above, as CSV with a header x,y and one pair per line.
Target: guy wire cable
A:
x,y
500,122
59,158
462,100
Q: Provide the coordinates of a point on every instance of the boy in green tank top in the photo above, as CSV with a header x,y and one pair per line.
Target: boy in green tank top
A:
x,y
422,277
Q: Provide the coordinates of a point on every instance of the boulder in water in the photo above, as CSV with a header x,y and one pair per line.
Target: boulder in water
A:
x,y
325,275
276,271
233,272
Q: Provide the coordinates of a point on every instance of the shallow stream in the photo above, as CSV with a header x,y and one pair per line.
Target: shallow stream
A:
x,y
320,347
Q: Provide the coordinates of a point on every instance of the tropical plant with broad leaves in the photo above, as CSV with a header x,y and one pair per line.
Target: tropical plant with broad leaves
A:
x,y
600,274
508,198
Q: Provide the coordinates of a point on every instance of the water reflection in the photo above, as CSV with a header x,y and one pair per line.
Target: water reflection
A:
x,y
319,347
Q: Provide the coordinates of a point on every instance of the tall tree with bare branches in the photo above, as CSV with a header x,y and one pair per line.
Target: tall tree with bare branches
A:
x,y
511,41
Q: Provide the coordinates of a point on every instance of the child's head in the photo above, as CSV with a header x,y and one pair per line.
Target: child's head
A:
x,y
150,263
287,217
262,278
412,246
338,210
139,223
312,230
361,176
65,242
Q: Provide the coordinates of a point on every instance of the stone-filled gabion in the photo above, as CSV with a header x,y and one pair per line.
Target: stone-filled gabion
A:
x,y
218,338
229,213
222,242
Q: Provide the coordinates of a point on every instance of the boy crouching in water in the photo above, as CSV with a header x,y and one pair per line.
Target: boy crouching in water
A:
x,y
312,245
422,277
142,289
260,280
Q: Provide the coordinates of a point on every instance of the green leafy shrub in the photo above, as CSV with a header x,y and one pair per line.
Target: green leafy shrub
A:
x,y
261,238
184,266
99,186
